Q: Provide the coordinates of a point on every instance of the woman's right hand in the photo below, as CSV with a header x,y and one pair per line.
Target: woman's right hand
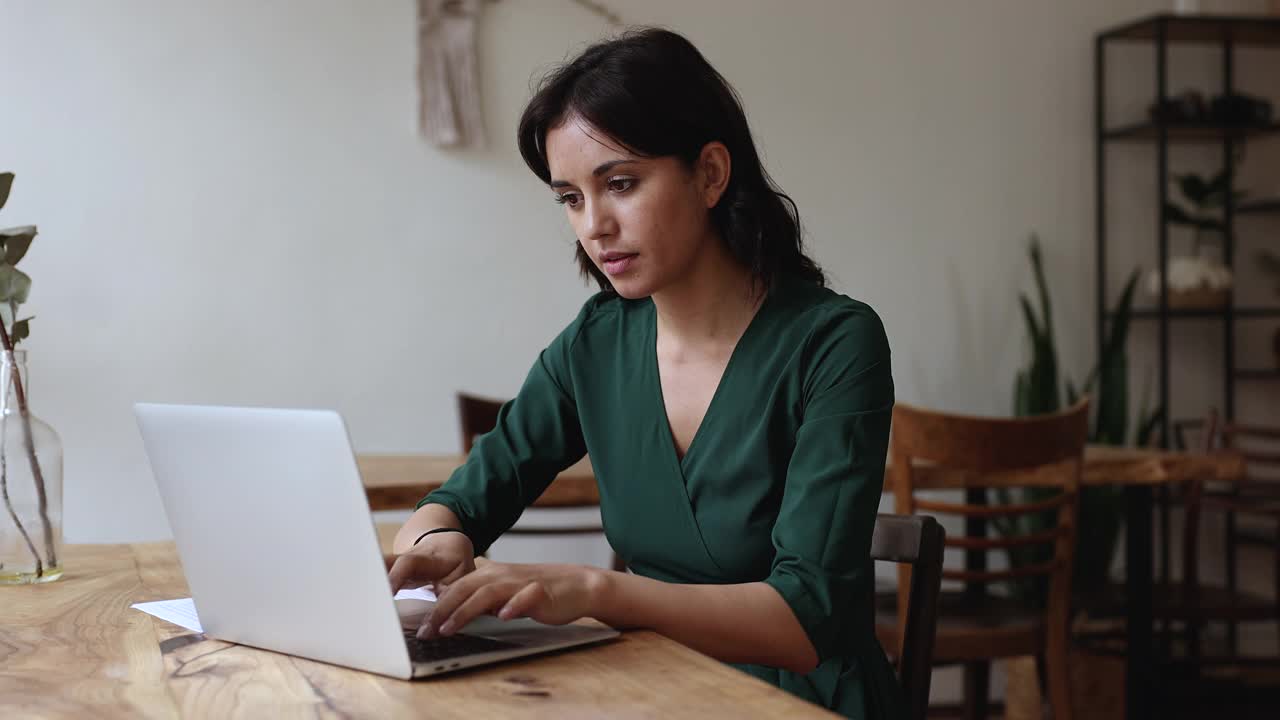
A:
x,y
436,560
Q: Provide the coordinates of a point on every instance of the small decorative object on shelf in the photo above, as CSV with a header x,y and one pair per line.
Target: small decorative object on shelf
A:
x,y
30,451
1195,283
1189,107
1186,7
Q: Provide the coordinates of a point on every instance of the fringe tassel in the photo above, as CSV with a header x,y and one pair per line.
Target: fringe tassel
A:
x,y
449,73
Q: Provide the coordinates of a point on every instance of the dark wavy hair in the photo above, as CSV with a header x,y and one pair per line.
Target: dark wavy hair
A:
x,y
650,90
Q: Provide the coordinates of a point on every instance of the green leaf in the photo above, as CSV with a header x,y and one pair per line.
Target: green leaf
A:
x,y
1021,395
1033,328
6,184
15,285
1176,215
1217,185
1037,391
1193,187
16,241
1117,339
1037,267
1113,400
21,330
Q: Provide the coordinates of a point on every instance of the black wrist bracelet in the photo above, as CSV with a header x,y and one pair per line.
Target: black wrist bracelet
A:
x,y
440,530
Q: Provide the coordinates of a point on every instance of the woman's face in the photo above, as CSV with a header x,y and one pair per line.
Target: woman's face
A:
x,y
645,222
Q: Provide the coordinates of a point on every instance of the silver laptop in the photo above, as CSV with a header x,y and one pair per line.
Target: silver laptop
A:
x,y
279,548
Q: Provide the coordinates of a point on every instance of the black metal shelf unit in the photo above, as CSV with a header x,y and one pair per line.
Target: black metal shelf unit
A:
x,y
1162,32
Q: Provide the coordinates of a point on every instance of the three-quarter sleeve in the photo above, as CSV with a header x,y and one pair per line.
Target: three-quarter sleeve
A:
x,y
822,536
537,435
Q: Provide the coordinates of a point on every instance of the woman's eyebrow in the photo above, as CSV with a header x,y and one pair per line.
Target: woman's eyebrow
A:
x,y
600,170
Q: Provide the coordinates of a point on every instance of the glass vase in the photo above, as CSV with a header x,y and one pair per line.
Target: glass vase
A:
x,y
30,483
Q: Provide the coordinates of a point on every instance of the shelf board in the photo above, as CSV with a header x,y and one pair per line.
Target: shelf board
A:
x,y
1258,374
1260,207
1251,312
1189,133
1243,31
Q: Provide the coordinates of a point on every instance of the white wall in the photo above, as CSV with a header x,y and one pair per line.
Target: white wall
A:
x,y
235,206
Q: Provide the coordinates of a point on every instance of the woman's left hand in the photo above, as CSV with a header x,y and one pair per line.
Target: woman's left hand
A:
x,y
550,594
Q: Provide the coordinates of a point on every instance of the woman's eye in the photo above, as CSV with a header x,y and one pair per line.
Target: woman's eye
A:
x,y
621,184
570,199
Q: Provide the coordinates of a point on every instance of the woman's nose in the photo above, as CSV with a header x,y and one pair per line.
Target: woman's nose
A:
x,y
599,220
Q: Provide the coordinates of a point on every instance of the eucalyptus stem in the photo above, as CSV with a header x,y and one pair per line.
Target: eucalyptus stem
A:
x,y
29,441
4,490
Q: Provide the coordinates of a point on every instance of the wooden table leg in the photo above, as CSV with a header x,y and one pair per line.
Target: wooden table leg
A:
x,y
1140,666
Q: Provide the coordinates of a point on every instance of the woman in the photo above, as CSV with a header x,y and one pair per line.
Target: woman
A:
x,y
735,410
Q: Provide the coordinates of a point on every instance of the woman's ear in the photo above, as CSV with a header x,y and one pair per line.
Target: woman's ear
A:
x,y
714,168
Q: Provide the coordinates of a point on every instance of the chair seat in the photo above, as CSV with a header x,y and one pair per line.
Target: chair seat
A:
x,y
969,627
1247,503
1174,601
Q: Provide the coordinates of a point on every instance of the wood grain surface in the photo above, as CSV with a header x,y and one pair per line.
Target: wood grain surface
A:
x,y
74,649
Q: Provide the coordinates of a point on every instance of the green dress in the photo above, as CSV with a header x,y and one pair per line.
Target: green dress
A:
x,y
780,484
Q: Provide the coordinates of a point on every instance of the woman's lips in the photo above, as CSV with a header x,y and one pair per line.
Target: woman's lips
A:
x,y
618,264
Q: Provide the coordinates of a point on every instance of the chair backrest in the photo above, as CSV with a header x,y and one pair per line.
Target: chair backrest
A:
x,y
916,541
476,416
1206,440
1258,446
934,450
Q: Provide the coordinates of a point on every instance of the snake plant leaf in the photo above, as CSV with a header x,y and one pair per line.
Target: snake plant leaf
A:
x,y
1037,267
6,184
1113,400
1119,334
14,242
1033,327
1038,391
15,285
1021,395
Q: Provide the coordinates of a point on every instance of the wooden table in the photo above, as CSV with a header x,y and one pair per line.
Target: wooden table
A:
x,y
395,482
74,649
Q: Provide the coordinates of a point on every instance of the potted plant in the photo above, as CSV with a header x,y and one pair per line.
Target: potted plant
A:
x,y
1037,391
30,451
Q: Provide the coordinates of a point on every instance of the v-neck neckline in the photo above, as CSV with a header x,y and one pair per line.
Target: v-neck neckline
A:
x,y
660,395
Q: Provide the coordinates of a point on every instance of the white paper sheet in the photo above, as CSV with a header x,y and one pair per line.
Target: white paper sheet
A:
x,y
182,612
179,612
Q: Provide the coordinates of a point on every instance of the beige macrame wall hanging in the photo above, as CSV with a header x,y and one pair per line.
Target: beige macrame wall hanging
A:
x,y
449,72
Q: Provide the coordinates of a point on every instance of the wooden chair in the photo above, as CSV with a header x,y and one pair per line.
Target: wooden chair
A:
x,y
916,541
1197,603
932,450
477,416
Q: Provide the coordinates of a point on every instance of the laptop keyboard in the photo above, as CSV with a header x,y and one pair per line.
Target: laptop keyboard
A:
x,y
445,648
